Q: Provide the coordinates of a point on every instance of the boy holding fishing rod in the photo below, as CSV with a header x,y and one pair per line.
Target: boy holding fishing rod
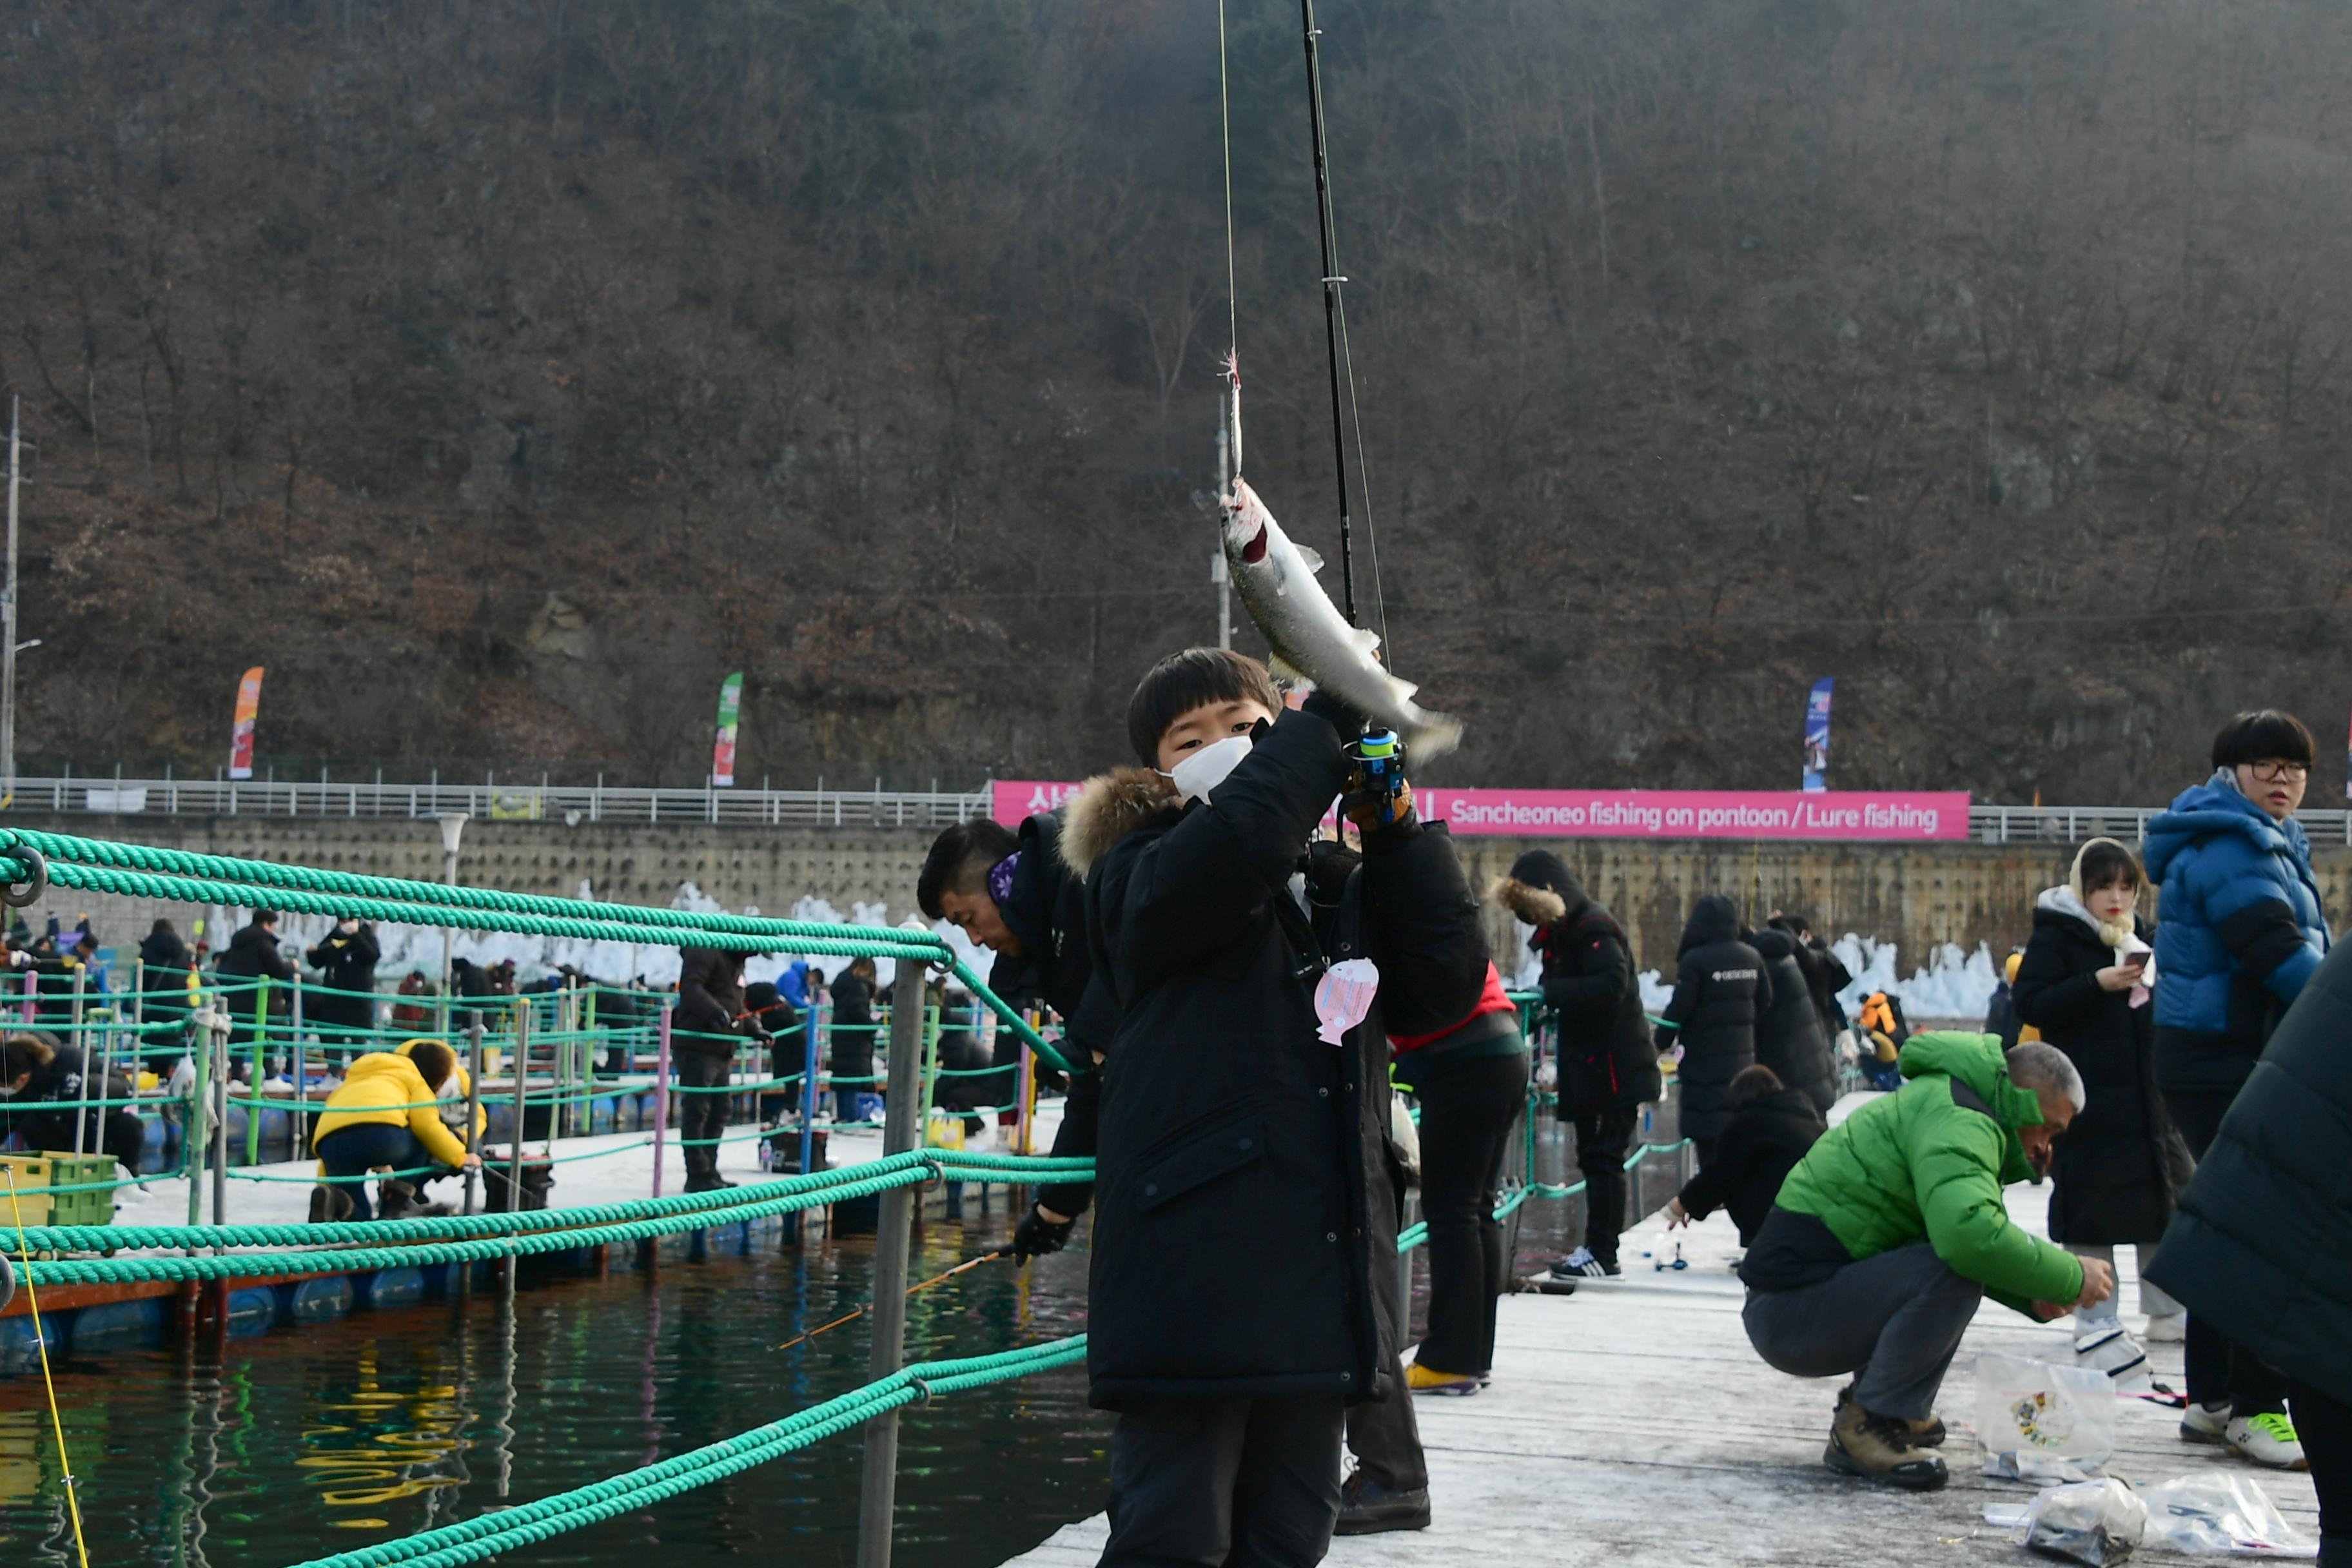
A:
x,y
1245,1206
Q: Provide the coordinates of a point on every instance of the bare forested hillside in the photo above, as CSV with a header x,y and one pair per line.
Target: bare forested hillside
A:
x,y
501,373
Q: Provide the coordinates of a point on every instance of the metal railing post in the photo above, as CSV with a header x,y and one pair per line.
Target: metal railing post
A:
x,y
82,1044
901,1130
661,1091
216,1042
473,1112
522,1078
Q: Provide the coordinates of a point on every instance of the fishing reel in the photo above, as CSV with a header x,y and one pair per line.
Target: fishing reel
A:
x,y
1380,759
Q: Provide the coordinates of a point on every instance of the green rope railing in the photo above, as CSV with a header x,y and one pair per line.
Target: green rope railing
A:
x,y
124,1237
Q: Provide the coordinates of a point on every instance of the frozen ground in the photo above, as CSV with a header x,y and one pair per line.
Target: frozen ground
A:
x,y
1632,1425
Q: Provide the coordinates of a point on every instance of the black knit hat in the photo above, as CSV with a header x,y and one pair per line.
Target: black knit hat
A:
x,y
1542,869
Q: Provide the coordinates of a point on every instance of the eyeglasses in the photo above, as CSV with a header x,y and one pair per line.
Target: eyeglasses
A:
x,y
2275,772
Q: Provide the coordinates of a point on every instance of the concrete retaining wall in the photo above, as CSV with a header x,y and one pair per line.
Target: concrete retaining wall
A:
x,y
1916,895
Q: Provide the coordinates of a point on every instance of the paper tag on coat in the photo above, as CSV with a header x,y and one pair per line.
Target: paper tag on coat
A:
x,y
1344,996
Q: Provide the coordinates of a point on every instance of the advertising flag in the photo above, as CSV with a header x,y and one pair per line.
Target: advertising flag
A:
x,y
723,751
1817,734
240,735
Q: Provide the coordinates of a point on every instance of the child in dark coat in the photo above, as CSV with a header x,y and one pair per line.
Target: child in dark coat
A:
x,y
1771,1128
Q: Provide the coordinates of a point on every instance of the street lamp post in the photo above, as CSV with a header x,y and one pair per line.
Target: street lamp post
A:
x,y
8,645
453,828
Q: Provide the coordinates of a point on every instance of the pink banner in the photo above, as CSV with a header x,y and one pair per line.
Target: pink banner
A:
x,y
1696,812
1635,812
1017,798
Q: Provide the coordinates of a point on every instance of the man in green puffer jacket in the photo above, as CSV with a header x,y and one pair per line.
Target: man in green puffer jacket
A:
x,y
1888,1235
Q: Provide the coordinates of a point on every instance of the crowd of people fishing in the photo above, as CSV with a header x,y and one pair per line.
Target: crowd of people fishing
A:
x,y
2173,1079
1284,1026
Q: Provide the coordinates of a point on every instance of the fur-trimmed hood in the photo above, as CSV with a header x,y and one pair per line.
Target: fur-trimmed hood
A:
x,y
1540,889
1109,806
1535,906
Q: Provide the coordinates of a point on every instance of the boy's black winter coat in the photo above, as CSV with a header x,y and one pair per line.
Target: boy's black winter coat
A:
x,y
2122,1163
1762,1144
1720,993
1789,1037
2263,1245
1235,1231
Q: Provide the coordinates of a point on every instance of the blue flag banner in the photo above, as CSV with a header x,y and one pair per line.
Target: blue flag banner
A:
x,y
1817,734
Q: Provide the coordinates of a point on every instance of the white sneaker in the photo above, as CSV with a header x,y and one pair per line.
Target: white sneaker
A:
x,y
2267,1439
2111,1350
2206,1423
2167,1327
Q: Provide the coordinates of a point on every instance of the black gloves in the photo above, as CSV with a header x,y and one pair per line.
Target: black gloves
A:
x,y
1036,1235
1336,713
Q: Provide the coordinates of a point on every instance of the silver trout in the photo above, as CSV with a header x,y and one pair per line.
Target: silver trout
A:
x,y
1276,578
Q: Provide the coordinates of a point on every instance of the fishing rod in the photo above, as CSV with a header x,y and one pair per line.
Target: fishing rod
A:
x,y
935,1279
1331,284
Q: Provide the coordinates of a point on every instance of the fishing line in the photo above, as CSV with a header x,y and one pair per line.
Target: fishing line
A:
x,y
1364,475
57,1422
1225,125
1333,278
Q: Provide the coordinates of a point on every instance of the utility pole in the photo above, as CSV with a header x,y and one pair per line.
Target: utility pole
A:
x,y
1218,572
8,616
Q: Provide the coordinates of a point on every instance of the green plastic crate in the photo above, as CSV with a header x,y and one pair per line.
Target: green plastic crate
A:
x,y
93,1207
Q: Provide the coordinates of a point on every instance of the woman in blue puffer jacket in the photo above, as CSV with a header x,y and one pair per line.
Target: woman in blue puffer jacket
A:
x,y
2239,932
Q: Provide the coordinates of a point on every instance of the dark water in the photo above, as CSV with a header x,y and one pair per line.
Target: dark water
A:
x,y
315,1440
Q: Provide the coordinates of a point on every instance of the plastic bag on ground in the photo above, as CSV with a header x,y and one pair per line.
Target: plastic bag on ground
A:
x,y
2217,1513
2095,1522
2032,1409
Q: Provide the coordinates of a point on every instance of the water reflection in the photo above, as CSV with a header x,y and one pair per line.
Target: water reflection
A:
x,y
388,1423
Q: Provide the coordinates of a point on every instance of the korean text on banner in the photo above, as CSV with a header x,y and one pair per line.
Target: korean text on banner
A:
x,y
1011,800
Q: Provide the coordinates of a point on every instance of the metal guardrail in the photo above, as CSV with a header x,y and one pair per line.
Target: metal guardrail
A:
x,y
502,803
2074,823
812,807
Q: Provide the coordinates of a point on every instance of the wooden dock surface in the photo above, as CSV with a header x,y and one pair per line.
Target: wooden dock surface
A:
x,y
1632,1425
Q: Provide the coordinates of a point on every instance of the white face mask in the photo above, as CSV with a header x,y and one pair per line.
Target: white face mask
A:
x,y
1205,769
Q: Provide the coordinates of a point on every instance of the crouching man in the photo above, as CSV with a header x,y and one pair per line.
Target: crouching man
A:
x,y
1888,1235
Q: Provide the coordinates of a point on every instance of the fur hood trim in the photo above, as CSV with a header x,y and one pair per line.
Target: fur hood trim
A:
x,y
1106,809
1535,906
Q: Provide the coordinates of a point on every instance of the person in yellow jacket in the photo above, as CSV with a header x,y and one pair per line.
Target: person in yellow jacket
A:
x,y
456,1091
386,1114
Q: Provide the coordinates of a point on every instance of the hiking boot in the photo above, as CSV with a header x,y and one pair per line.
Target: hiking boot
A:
x,y
2267,1439
328,1203
1368,1508
710,1182
1878,1450
1423,1379
396,1200
2110,1348
2206,1423
1927,1433
1581,1265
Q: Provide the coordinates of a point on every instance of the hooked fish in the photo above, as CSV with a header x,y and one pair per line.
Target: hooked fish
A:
x,y
1276,578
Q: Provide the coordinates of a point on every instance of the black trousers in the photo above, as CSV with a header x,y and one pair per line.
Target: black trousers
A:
x,y
701,1118
1223,1483
1385,1434
2217,1368
1603,1139
2325,1426
1468,1108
